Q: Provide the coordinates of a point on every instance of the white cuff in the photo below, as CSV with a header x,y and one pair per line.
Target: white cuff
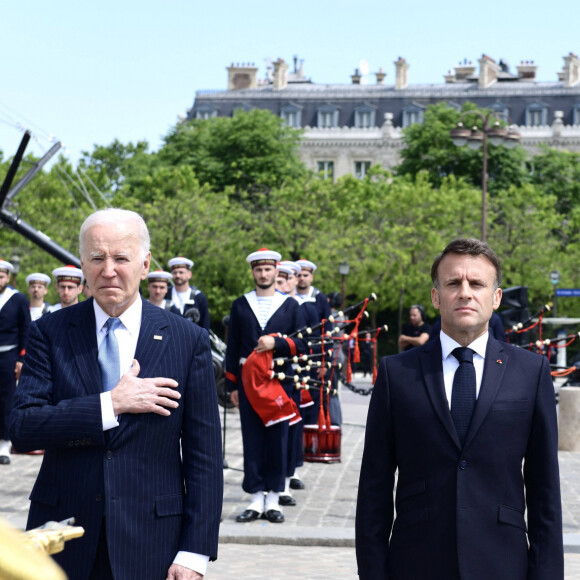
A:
x,y
196,562
107,411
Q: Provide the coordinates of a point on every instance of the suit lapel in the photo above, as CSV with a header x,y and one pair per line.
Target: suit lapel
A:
x,y
433,373
153,339
82,335
496,360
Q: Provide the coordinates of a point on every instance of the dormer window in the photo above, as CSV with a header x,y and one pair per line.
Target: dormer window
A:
x,y
205,112
327,116
576,114
501,110
412,114
364,117
292,115
536,115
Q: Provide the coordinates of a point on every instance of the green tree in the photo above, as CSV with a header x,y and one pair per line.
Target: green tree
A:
x,y
252,151
428,147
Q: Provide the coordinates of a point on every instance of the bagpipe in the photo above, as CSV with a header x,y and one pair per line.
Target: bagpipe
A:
x,y
545,346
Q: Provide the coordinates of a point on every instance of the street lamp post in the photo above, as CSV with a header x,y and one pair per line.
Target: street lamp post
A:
x,y
555,278
474,139
343,270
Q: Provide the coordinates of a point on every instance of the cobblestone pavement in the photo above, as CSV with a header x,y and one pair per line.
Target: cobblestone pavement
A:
x,y
317,539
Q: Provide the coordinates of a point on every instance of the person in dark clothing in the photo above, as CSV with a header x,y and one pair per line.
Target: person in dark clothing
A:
x,y
417,331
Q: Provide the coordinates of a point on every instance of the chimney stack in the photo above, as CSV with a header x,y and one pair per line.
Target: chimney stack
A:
x,y
570,74
242,76
356,77
401,68
280,75
488,71
380,76
527,70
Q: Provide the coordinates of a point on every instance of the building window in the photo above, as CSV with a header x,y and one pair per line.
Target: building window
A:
x,y
361,168
500,110
576,115
292,116
536,115
205,112
327,117
326,169
364,117
412,115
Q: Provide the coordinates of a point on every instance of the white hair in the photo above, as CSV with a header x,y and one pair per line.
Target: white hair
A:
x,y
114,215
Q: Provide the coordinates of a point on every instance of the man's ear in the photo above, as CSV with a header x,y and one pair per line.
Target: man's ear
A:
x,y
435,298
497,294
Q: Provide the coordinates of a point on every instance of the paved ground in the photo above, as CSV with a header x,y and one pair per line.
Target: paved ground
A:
x,y
317,539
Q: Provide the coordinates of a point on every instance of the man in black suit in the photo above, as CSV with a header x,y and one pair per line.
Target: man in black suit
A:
x,y
121,395
459,417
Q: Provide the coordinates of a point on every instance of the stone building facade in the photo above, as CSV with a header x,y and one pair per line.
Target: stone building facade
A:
x,y
349,127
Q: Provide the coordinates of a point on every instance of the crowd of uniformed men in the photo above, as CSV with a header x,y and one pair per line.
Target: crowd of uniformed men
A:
x,y
263,320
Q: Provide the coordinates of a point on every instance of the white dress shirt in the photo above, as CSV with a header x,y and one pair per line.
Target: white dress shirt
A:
x,y
127,334
451,364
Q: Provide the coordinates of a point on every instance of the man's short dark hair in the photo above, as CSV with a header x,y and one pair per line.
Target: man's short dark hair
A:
x,y
471,247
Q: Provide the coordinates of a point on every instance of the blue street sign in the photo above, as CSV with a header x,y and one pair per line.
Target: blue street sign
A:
x,y
568,292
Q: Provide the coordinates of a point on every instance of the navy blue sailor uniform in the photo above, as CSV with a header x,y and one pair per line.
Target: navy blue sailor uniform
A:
x,y
265,448
14,323
197,300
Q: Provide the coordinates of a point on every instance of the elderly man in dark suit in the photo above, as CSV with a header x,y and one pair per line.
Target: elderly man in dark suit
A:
x,y
121,395
470,424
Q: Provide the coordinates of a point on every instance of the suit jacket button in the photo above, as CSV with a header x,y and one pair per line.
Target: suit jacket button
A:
x,y
109,455
98,497
463,464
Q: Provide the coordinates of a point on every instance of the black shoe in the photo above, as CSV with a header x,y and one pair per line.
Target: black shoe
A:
x,y
4,460
248,516
286,500
275,516
296,483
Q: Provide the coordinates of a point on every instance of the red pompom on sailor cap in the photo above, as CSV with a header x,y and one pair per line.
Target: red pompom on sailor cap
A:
x,y
263,257
307,265
159,276
6,267
68,274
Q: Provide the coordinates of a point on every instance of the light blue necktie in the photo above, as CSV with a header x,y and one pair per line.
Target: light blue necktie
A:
x,y
109,356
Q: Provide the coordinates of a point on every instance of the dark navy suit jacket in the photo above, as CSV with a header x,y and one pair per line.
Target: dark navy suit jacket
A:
x,y
155,503
460,512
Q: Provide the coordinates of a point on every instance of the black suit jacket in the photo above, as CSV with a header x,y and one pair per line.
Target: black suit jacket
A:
x,y
460,512
157,496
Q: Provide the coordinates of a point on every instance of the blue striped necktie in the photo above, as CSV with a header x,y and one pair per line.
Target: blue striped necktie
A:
x,y
463,391
109,356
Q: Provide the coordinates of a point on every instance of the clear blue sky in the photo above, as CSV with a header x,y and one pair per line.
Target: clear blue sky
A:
x,y
90,72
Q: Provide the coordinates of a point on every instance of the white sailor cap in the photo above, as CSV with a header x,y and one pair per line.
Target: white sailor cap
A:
x,y
6,266
307,265
180,262
263,257
284,271
159,276
39,278
293,265
68,274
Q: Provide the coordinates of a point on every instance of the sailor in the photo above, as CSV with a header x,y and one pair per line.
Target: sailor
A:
x,y
14,322
189,300
69,284
306,291
37,289
254,318
286,282
158,285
